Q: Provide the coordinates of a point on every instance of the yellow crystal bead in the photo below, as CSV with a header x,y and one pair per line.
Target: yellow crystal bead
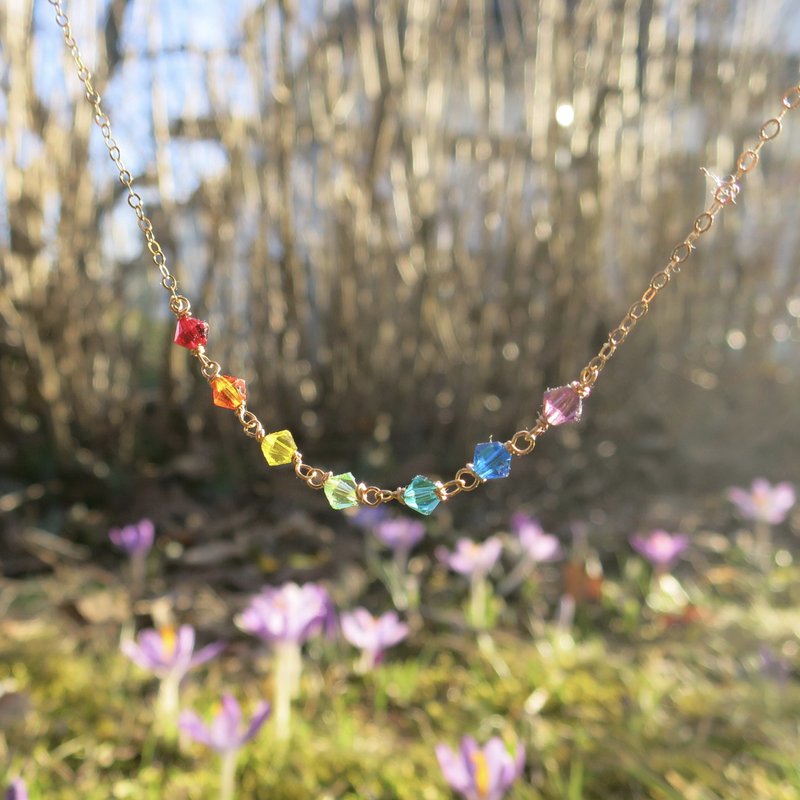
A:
x,y
278,448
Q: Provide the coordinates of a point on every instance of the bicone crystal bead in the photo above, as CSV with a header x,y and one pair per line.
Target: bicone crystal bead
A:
x,y
491,460
191,333
421,495
278,448
562,405
341,491
228,392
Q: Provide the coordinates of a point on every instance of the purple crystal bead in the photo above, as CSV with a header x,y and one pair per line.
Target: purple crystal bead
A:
x,y
562,405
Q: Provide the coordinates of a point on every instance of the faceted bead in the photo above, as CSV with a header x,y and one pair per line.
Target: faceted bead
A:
x,y
562,405
278,448
341,491
191,332
228,392
491,460
421,495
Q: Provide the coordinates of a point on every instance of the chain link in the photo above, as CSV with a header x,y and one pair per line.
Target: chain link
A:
x,y
725,193
523,441
101,119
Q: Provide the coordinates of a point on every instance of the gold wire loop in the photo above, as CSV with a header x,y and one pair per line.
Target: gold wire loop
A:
x,y
179,305
703,222
746,161
250,422
448,489
369,495
210,369
770,129
521,443
317,478
467,478
792,98
313,476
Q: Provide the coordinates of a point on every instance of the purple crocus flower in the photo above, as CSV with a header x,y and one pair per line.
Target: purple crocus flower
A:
x,y
17,790
660,548
168,653
133,539
400,534
538,545
472,558
764,502
371,634
226,733
367,517
480,773
288,613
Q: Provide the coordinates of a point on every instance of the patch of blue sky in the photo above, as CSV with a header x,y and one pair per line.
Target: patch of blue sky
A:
x,y
193,162
27,148
182,82
186,24
239,98
127,101
120,237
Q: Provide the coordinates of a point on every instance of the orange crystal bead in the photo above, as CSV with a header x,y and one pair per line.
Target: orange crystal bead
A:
x,y
228,392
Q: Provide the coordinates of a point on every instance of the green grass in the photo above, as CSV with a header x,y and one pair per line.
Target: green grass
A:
x,y
625,706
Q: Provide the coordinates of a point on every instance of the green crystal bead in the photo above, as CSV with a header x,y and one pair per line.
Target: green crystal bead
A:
x,y
421,495
341,490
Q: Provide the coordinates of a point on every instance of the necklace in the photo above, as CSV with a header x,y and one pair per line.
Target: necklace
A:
x,y
491,460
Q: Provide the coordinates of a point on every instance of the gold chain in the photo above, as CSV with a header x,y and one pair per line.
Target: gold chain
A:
x,y
523,441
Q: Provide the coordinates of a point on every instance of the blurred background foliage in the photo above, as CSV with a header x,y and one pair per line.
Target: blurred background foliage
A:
x,y
403,221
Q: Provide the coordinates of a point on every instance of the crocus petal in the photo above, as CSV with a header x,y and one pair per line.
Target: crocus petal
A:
x,y
783,498
17,790
356,631
194,726
224,728
152,646
256,721
454,768
400,533
147,534
135,654
391,631
207,653
520,521
742,500
497,763
290,613
184,642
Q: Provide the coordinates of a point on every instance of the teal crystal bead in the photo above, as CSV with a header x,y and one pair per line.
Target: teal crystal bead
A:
x,y
491,460
421,495
341,491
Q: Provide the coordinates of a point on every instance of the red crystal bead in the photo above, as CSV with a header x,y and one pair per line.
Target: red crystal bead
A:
x,y
191,333
228,392
562,405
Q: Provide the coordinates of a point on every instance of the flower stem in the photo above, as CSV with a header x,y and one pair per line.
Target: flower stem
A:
x,y
521,572
478,600
227,778
288,667
763,544
138,565
167,706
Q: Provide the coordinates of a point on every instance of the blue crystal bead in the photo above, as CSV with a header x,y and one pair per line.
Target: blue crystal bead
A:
x,y
421,495
491,460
